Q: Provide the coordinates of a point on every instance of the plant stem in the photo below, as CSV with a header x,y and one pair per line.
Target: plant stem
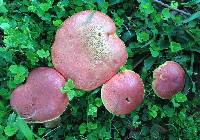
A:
x,y
166,5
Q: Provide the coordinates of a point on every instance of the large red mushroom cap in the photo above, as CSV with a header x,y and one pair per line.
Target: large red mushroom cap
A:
x,y
169,79
87,49
39,99
123,93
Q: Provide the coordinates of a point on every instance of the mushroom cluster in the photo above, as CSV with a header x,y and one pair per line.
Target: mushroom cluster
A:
x,y
88,51
125,91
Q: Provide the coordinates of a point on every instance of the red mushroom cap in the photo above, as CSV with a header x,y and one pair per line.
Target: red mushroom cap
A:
x,y
123,93
39,99
169,78
87,50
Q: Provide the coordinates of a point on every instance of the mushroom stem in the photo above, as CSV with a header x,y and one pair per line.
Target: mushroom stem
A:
x,y
53,123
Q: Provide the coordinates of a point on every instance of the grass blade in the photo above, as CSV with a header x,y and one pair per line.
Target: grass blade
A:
x,y
192,17
23,127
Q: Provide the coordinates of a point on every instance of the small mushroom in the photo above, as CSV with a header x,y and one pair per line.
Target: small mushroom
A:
x,y
39,100
123,93
87,50
169,79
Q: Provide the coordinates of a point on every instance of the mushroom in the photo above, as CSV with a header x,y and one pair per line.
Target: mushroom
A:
x,y
87,50
169,79
123,93
39,100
